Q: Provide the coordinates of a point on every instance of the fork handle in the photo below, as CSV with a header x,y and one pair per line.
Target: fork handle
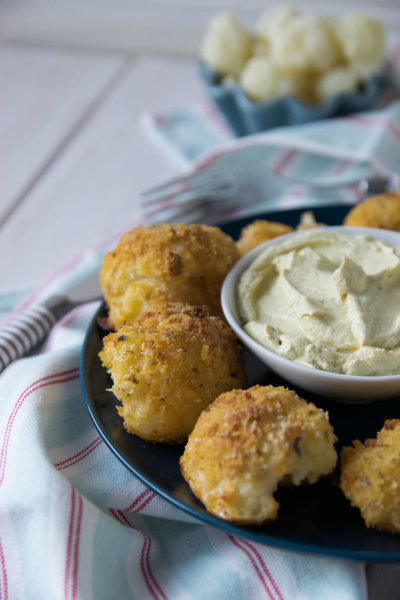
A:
x,y
29,328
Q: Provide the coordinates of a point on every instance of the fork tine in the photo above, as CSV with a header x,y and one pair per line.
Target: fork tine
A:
x,y
166,189
219,188
227,180
186,200
163,187
209,173
173,214
203,210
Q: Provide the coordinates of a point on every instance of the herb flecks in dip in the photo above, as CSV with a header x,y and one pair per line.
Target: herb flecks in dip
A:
x,y
327,300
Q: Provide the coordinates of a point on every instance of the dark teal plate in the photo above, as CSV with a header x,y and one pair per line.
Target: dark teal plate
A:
x,y
315,518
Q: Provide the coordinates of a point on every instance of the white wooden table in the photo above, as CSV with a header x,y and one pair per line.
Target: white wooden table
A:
x,y
74,159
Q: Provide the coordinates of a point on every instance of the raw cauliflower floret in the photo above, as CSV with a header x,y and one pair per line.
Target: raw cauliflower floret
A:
x,y
367,70
226,45
272,21
341,79
262,80
306,44
361,38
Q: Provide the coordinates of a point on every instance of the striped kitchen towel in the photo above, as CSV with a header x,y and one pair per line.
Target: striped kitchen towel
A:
x,y
76,524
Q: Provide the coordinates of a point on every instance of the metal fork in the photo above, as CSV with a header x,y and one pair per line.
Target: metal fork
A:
x,y
231,181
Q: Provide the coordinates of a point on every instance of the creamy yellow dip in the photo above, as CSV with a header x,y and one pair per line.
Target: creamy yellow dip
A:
x,y
327,300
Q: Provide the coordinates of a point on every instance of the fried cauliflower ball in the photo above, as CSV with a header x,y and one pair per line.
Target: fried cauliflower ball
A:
x,y
226,45
370,477
167,366
166,263
258,232
248,441
381,211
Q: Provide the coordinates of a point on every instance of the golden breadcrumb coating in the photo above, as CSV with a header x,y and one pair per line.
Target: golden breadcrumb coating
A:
x,y
258,232
370,477
166,263
248,441
167,366
381,211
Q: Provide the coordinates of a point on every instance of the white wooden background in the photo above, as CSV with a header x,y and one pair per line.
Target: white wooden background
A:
x,y
74,79
173,26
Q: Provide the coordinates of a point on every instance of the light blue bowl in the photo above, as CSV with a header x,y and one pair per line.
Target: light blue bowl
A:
x,y
247,117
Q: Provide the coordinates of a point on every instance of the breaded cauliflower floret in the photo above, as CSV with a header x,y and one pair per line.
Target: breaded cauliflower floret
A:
x,y
166,263
248,441
167,366
370,477
226,45
258,232
382,211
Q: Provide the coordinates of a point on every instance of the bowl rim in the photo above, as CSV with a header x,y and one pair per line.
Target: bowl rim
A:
x,y
231,281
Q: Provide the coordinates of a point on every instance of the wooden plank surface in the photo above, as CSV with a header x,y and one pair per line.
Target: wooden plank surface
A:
x,y
164,26
44,97
91,190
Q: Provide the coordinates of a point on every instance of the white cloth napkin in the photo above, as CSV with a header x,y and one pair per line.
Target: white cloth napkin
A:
x,y
74,522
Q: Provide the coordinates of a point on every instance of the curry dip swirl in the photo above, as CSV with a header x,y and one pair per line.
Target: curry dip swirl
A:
x,y
326,300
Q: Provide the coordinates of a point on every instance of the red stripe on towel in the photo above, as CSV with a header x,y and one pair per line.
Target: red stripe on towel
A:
x,y
73,460
263,566
256,567
145,503
138,499
146,541
285,160
4,578
76,549
145,566
69,543
33,387
149,569
377,122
